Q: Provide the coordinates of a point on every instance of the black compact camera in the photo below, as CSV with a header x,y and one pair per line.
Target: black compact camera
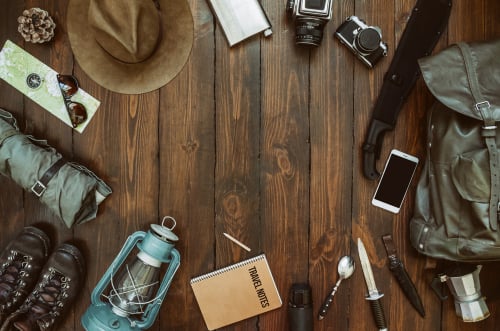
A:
x,y
363,40
310,18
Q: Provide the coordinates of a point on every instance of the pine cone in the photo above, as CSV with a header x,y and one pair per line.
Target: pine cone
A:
x,y
36,25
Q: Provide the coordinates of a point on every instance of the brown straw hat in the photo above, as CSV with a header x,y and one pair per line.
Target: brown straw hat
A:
x,y
130,46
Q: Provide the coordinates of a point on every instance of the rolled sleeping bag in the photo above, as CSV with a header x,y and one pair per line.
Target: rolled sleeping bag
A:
x,y
69,189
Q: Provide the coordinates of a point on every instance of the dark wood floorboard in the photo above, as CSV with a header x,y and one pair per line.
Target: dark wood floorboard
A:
x,y
262,141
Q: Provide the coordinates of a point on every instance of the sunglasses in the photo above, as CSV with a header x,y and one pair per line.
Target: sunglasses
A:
x,y
76,111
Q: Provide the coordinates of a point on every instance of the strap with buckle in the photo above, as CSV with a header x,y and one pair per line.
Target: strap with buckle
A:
x,y
488,132
41,185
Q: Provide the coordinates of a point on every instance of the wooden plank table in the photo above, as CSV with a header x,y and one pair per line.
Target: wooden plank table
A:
x,y
262,141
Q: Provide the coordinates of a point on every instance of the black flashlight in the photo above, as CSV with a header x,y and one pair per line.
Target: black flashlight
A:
x,y
300,313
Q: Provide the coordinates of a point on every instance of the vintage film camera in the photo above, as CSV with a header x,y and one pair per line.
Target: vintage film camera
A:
x,y
363,40
310,18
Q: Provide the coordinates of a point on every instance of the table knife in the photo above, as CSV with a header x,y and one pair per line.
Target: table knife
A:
x,y
374,295
397,268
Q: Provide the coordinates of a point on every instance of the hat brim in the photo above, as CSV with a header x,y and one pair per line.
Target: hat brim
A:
x,y
156,71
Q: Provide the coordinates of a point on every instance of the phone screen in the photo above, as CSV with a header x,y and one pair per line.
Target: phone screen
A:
x,y
395,180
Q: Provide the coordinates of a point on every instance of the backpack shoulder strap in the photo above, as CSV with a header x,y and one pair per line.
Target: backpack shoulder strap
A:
x,y
482,107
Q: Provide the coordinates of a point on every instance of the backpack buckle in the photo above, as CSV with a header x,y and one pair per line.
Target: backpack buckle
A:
x,y
480,105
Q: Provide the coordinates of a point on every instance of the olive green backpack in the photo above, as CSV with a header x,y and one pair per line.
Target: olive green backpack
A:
x,y
457,203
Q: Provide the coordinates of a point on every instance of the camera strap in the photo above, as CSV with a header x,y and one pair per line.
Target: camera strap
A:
x,y
426,24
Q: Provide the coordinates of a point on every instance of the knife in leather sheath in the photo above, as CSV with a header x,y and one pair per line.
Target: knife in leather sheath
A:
x,y
425,25
397,268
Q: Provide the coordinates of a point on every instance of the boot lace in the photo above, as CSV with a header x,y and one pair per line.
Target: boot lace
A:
x,y
13,275
48,299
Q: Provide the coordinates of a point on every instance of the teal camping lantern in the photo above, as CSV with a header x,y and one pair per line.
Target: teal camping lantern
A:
x,y
134,290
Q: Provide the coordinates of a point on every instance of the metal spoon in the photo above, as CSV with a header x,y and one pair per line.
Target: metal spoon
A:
x,y
345,269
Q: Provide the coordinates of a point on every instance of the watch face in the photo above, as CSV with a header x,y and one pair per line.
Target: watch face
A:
x,y
34,81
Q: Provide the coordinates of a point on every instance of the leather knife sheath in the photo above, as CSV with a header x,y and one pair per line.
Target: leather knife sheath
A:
x,y
426,24
397,268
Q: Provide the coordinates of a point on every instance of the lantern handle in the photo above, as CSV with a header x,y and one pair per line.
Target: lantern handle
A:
x,y
169,218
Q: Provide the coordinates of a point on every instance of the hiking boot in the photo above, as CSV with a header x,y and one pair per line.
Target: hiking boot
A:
x,y
20,265
60,282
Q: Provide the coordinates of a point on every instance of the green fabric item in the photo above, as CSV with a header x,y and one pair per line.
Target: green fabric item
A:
x,y
73,193
457,203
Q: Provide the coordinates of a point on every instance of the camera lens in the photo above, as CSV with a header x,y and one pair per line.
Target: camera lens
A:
x,y
367,40
309,31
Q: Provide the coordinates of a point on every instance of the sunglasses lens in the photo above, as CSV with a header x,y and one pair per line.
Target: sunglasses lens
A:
x,y
67,84
77,113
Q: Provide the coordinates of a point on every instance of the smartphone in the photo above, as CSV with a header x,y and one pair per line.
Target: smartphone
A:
x,y
395,180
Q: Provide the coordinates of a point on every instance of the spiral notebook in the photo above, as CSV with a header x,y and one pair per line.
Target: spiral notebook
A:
x,y
236,292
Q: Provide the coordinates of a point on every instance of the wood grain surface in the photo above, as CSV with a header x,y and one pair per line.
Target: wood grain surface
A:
x,y
262,141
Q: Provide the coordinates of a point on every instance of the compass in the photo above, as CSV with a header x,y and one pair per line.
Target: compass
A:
x,y
34,81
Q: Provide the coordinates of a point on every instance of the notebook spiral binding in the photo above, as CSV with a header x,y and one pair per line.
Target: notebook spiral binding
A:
x,y
226,269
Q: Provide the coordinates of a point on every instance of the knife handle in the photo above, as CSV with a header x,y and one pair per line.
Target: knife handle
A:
x,y
378,313
372,147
